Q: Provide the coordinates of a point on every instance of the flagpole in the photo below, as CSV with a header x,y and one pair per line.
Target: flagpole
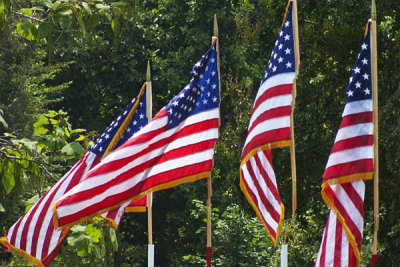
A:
x,y
149,104
294,93
374,65
209,182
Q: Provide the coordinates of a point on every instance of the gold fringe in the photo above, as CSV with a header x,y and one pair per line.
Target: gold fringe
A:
x,y
135,209
124,125
167,185
287,9
279,230
272,145
22,253
329,202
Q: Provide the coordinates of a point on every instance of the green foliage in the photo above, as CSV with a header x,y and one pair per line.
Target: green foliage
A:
x,y
98,52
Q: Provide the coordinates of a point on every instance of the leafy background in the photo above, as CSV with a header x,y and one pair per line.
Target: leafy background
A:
x,y
68,67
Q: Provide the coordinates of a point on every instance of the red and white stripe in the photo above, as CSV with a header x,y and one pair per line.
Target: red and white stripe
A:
x,y
350,162
352,152
335,249
34,233
154,158
258,179
270,120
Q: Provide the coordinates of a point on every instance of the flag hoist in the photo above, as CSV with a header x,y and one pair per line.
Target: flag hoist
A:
x,y
352,161
271,126
34,236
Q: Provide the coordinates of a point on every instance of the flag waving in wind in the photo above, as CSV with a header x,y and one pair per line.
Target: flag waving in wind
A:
x,y
269,127
34,236
175,147
349,165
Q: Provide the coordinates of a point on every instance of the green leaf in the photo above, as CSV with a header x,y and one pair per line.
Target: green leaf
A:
x,y
114,240
2,208
65,12
94,233
26,11
44,30
3,122
30,202
87,8
80,138
47,3
8,176
42,120
72,149
77,131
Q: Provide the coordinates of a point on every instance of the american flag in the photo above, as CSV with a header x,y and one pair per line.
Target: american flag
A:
x,y
269,127
177,146
34,236
349,165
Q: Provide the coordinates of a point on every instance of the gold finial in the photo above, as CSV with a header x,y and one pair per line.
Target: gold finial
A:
x,y
148,76
373,10
215,26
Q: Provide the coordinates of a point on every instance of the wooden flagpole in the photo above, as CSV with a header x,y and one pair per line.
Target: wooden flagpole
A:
x,y
209,183
294,93
284,250
149,105
374,65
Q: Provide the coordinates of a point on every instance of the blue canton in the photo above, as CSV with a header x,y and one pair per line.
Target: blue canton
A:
x,y
139,120
282,57
360,83
202,93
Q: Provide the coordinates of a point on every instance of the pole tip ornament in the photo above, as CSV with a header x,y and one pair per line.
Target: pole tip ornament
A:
x,y
148,76
373,10
215,26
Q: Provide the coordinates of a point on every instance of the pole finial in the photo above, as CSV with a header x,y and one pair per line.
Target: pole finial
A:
x,y
148,76
373,10
215,26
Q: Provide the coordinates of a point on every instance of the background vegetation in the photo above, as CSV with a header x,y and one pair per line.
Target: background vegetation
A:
x,y
70,65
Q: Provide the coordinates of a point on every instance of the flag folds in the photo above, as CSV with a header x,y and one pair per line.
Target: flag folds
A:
x,y
34,236
175,147
269,127
349,165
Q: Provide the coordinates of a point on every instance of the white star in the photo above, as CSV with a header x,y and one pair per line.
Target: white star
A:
x,y
175,103
208,81
349,93
214,86
288,65
208,94
275,55
214,99
364,61
182,95
276,42
100,149
141,116
367,91
274,69
280,46
213,73
280,33
358,85
170,111
205,101
270,65
366,76
280,59
202,88
134,122
212,60
107,136
351,79
357,70
190,109
287,24
125,112
179,116
141,103
364,46
287,51
128,130
287,37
